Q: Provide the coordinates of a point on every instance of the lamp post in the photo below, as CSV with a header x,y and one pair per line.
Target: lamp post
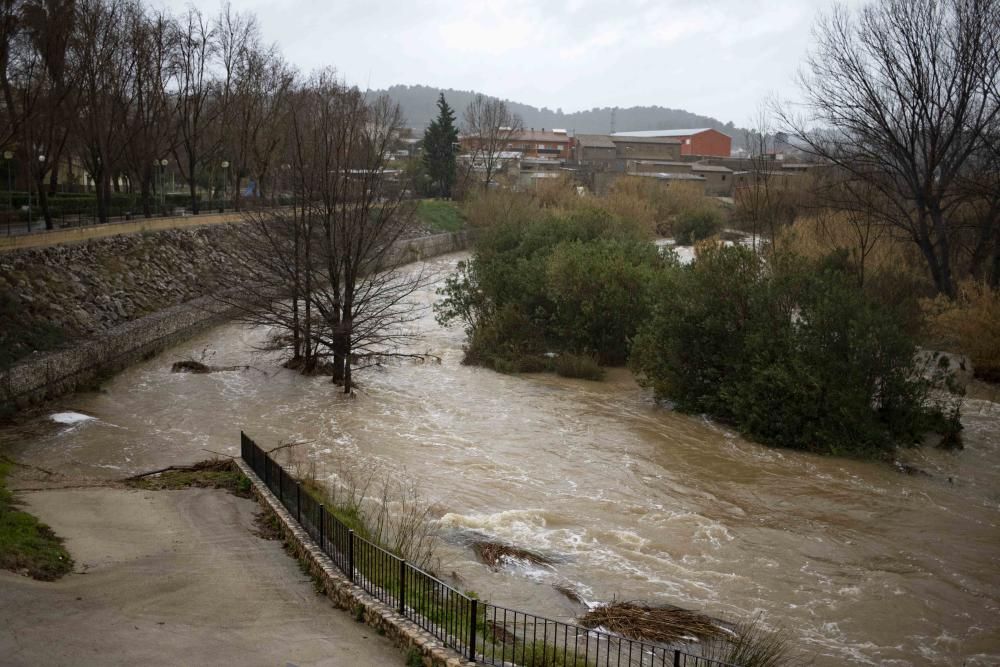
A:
x,y
41,167
161,169
8,156
225,185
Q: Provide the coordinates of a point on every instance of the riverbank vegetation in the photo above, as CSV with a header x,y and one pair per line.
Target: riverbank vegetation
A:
x,y
789,351
790,348
27,545
536,293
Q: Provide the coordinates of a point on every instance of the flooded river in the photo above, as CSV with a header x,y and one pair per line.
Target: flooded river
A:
x,y
859,562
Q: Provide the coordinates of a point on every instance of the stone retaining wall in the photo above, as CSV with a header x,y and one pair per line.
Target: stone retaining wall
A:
x,y
49,375
346,595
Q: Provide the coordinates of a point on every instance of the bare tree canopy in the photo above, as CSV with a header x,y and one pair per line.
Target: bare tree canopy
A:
x,y
326,271
489,127
902,97
116,87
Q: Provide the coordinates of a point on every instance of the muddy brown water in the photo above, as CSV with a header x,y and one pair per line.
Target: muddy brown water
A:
x,y
859,562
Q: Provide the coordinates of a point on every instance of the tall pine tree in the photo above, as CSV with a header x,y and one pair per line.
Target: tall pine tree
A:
x,y
440,149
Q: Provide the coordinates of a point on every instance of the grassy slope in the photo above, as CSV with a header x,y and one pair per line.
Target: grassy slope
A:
x,y
26,544
440,215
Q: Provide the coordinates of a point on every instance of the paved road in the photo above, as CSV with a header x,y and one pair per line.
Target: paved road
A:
x,y
171,578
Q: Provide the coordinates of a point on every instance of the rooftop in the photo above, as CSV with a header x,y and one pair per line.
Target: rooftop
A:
x,y
643,140
697,166
595,140
541,136
670,177
665,133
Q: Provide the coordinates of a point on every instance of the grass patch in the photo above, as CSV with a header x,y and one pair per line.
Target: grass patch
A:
x,y
440,215
211,474
754,645
27,545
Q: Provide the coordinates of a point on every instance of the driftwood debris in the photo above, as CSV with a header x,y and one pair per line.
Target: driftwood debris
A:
x,y
219,465
644,623
192,366
495,554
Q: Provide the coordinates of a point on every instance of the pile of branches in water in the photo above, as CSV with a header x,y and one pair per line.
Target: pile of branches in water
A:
x,y
495,553
192,366
657,624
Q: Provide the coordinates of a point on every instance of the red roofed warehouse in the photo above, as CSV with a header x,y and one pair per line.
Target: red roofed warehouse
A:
x,y
702,142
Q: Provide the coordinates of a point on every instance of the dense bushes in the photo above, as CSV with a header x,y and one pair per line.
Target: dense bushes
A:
x,y
693,226
791,353
971,324
575,283
801,352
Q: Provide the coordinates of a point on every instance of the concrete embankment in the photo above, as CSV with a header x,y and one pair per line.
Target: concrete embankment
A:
x,y
116,300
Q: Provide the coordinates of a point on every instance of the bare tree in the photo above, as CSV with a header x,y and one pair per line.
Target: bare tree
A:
x,y
150,124
328,270
489,127
195,48
904,94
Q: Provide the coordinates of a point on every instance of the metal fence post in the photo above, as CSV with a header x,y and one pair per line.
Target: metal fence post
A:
x,y
350,554
402,586
322,511
472,629
267,481
298,502
677,657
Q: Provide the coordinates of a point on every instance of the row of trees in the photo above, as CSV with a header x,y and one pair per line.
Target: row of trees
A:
x,y
117,88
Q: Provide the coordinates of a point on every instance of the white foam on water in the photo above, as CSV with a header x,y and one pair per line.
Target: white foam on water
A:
x,y
69,417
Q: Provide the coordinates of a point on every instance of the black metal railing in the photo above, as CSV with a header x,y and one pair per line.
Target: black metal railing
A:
x,y
482,632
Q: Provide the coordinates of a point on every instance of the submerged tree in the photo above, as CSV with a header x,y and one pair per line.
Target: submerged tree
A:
x,y
328,271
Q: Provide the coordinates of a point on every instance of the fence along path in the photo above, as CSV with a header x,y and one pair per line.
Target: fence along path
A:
x,y
480,631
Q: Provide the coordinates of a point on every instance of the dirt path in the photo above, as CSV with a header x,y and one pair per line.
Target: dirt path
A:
x,y
86,232
172,577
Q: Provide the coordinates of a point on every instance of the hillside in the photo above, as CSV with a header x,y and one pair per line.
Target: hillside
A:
x,y
418,105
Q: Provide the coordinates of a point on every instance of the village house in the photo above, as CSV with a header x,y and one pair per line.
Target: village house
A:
x,y
701,141
552,144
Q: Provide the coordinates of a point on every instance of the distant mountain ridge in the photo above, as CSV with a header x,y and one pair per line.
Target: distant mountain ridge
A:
x,y
418,104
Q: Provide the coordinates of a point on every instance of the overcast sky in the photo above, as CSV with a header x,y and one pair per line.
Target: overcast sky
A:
x,y
713,57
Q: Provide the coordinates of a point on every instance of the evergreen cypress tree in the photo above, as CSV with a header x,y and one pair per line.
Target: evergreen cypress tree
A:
x,y
440,150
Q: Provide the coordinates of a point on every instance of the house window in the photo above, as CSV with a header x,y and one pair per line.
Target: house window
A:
x,y
723,177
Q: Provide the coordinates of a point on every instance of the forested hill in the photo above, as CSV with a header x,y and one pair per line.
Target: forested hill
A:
x,y
418,105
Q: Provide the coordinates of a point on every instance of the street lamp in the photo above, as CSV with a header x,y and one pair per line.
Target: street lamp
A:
x,y
8,156
225,185
162,164
41,160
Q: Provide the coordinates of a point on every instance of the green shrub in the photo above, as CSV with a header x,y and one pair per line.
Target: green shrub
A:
x,y
791,353
26,544
693,226
578,366
576,282
440,215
